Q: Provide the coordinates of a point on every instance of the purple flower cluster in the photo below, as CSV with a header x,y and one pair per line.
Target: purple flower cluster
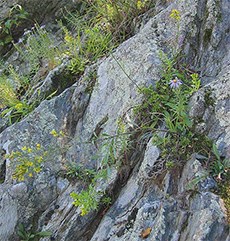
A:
x,y
175,83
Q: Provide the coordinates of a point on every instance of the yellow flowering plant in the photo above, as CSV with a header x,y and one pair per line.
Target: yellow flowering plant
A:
x,y
29,161
175,14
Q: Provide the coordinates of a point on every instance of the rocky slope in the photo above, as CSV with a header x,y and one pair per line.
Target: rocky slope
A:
x,y
143,198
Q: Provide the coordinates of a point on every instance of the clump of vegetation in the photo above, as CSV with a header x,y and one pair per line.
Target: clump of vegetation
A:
x,y
166,109
39,47
31,236
117,16
13,108
219,167
15,17
99,28
89,200
112,147
8,96
29,161
95,44
79,172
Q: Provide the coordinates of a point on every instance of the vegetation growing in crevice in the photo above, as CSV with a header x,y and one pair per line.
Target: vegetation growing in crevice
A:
x,y
30,235
110,156
15,17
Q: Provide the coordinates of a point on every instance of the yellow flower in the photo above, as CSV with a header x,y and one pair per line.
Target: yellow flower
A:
x,y
29,164
38,146
37,169
54,133
18,106
110,10
24,148
68,38
40,159
21,178
141,4
29,150
83,212
62,133
175,14
30,174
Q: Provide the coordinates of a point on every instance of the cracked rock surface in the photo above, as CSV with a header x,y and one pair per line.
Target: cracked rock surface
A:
x,y
143,198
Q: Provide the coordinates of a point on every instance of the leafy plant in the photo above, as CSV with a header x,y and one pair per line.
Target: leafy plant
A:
x,y
78,171
17,111
219,167
8,96
87,200
16,15
166,105
14,108
90,199
31,236
87,45
197,179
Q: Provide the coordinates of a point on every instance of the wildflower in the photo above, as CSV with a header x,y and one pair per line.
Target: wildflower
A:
x,y
29,164
83,212
29,150
175,14
141,4
24,148
18,106
20,178
54,133
30,174
68,38
39,159
175,83
37,169
38,146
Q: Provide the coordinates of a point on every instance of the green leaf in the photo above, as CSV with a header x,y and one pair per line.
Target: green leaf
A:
x,y
8,24
44,233
215,151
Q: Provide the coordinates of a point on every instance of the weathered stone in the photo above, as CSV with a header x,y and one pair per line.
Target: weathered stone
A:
x,y
149,197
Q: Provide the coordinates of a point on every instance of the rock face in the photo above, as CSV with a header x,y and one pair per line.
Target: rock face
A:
x,y
144,200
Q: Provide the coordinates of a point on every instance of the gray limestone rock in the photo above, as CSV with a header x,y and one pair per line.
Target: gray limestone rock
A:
x,y
145,196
